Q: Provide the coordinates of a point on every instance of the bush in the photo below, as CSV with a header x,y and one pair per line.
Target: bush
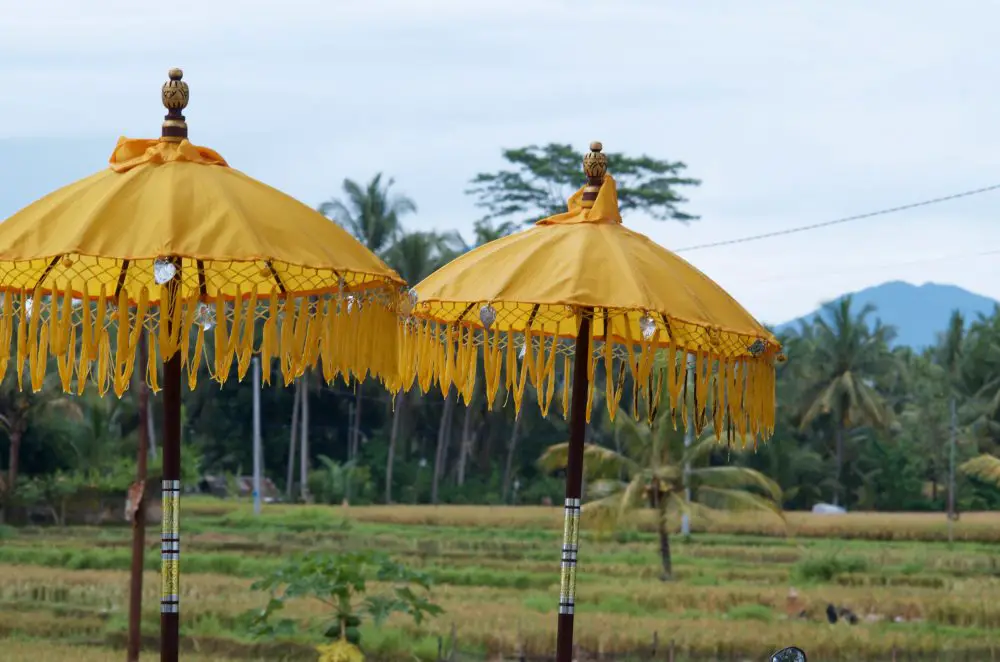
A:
x,y
827,568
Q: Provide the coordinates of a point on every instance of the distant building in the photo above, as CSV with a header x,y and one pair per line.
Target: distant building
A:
x,y
238,486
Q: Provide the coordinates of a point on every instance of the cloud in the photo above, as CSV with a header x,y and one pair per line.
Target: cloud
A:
x,y
791,112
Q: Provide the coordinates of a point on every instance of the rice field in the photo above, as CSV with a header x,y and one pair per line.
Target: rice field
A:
x,y
744,585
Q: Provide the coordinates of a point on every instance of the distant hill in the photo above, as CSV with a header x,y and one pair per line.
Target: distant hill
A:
x,y
919,313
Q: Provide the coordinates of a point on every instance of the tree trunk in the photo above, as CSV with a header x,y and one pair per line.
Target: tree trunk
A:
x,y
304,441
659,504
356,425
840,464
296,401
16,435
485,461
951,470
397,416
509,466
151,424
444,433
139,521
468,438
665,560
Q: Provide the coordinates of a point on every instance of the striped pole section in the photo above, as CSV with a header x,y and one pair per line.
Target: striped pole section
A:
x,y
170,548
571,542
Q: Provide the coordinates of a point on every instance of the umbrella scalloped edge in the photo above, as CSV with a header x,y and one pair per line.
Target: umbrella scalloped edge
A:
x,y
732,376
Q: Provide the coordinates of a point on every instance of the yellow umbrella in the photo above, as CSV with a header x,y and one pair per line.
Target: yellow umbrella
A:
x,y
172,240
581,285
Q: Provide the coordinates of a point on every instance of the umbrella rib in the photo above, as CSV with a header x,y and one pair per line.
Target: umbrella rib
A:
x,y
48,270
121,278
274,274
465,312
531,318
670,332
202,284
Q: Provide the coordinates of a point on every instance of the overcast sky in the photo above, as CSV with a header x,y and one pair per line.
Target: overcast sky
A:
x,y
790,111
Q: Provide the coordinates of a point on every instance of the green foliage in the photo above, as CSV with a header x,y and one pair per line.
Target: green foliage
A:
x,y
371,213
340,582
825,568
335,481
544,177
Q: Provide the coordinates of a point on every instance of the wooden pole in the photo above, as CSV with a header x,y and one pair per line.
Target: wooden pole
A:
x,y
137,503
170,539
574,482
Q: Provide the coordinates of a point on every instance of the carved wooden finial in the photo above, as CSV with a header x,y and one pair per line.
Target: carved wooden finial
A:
x,y
595,166
175,95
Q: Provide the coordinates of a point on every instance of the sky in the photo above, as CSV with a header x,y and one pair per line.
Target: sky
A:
x,y
791,112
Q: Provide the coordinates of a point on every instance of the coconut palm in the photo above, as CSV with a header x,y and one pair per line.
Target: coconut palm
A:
x,y
373,215
985,467
415,256
848,355
649,473
950,358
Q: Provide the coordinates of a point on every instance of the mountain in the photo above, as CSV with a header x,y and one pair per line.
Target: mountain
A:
x,y
919,312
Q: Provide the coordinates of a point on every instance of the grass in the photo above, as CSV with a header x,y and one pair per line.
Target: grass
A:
x,y
63,591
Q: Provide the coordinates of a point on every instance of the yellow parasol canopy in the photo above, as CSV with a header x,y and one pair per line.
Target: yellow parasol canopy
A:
x,y
85,268
172,240
520,299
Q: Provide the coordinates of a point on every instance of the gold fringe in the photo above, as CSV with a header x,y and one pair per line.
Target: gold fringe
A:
x,y
96,339
723,392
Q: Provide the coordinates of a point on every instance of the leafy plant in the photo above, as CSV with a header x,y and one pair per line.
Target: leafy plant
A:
x,y
341,583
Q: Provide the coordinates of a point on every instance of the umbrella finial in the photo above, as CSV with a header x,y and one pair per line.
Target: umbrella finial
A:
x,y
175,95
595,166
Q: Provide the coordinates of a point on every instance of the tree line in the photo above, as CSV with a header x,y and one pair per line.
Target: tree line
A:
x,y
860,423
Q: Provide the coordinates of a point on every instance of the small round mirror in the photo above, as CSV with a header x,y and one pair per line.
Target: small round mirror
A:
x,y
790,654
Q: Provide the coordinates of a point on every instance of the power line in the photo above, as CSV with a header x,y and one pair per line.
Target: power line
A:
x,y
838,221
877,267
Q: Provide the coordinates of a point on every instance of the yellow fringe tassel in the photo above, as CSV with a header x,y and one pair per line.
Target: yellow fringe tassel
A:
x,y
732,394
96,339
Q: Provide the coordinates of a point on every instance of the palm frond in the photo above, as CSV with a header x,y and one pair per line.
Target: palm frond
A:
x,y
738,478
598,462
984,467
719,498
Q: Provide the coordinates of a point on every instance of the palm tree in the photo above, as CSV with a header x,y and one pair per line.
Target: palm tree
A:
x,y
372,214
649,473
985,467
484,231
17,410
950,357
848,356
414,256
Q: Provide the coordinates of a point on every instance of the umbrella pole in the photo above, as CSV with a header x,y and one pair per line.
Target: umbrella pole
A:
x,y
170,545
175,96
574,482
